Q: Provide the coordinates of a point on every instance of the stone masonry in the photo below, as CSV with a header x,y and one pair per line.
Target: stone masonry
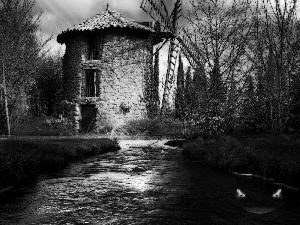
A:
x,y
123,76
108,78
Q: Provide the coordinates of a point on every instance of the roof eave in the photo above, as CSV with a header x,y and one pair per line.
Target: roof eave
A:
x,y
62,37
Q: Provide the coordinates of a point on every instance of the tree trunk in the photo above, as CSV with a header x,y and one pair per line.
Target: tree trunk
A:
x,y
4,89
5,99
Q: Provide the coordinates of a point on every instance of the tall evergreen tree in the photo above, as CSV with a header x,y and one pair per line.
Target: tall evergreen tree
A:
x,y
294,117
188,93
272,88
217,90
179,98
295,102
155,81
199,90
262,117
248,106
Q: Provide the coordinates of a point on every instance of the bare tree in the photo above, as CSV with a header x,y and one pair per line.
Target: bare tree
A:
x,y
220,31
20,51
3,85
272,52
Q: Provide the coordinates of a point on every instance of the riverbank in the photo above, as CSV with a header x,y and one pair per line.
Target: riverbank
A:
x,y
22,159
275,156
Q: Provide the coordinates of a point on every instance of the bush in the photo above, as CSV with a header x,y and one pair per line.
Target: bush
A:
x,y
276,156
46,126
157,126
18,162
103,127
22,160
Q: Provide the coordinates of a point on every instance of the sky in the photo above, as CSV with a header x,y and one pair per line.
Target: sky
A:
x,y
59,15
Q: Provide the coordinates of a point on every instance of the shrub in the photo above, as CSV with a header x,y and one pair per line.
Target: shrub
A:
x,y
157,126
138,127
21,160
46,126
204,126
276,156
103,127
18,162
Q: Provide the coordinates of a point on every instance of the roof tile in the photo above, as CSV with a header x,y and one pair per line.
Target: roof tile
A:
x,y
105,20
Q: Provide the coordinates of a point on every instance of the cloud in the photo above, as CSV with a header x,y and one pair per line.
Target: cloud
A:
x,y
60,15
64,14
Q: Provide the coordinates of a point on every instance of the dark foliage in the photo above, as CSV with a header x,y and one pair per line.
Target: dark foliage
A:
x,y
20,48
22,160
180,95
46,93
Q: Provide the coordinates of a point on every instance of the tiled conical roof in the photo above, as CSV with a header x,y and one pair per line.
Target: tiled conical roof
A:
x,y
107,19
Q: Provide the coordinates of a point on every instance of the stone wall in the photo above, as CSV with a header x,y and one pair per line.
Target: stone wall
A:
x,y
124,77
72,76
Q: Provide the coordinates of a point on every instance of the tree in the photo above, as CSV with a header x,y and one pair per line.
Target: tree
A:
x,y
179,98
272,51
262,111
295,102
248,113
294,117
188,93
217,91
219,30
156,83
20,48
200,90
46,92
3,85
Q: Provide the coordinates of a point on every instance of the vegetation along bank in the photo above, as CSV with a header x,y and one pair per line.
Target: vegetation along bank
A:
x,y
21,160
275,156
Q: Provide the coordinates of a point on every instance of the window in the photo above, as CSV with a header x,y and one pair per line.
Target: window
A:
x,y
91,83
95,46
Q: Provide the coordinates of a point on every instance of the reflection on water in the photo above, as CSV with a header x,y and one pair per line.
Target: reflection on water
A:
x,y
135,182
136,185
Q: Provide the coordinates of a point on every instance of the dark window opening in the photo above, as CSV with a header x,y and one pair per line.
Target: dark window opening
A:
x,y
95,46
92,86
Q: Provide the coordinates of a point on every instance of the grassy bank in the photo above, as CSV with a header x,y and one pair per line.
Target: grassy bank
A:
x,y
157,126
267,155
44,126
21,160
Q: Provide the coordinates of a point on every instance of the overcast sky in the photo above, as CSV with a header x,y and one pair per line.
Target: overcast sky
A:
x,y
58,15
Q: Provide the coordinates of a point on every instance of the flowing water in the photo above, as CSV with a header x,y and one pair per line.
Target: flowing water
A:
x,y
143,183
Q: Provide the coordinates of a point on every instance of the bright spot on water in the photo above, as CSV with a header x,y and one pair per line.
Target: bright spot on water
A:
x,y
134,181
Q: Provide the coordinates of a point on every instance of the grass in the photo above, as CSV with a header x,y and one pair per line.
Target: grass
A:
x,y
45,126
50,126
276,156
156,126
21,160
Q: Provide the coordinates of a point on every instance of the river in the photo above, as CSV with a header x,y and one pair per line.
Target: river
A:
x,y
145,182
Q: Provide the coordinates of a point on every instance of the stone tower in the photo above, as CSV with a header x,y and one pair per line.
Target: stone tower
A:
x,y
107,70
